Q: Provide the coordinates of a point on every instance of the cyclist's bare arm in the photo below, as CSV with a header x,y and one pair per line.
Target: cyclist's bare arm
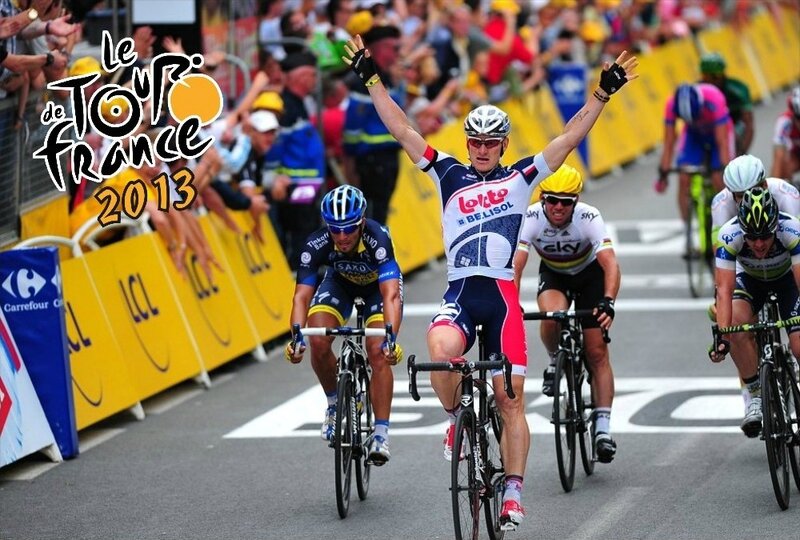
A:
x,y
749,130
393,116
520,260
392,303
778,157
579,125
721,137
725,280
302,299
668,147
607,260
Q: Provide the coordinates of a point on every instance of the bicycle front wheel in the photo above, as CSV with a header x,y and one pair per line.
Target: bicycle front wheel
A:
x,y
494,471
343,438
564,419
364,427
464,482
774,432
696,254
793,409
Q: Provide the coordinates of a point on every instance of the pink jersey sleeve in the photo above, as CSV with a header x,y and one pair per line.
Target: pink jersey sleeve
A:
x,y
669,111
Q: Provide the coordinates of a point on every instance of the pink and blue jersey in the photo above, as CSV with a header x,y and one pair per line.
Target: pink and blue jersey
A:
x,y
699,135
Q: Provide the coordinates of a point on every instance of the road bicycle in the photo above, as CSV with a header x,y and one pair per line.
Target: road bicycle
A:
x,y
572,396
698,242
354,415
477,476
780,396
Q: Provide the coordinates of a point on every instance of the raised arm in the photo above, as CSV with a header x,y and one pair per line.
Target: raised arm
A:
x,y
393,117
611,80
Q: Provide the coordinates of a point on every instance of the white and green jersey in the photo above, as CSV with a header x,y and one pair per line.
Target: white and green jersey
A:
x,y
723,206
734,254
570,248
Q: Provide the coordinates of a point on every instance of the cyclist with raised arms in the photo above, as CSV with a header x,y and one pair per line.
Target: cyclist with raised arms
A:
x,y
359,256
786,139
759,253
737,97
707,128
483,206
576,257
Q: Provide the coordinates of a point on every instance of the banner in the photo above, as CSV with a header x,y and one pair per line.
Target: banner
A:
x,y
23,426
568,86
149,323
30,293
102,384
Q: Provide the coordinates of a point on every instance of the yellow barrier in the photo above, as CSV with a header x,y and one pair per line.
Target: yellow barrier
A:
x,y
764,36
101,381
262,274
149,324
412,223
212,308
48,219
790,37
739,64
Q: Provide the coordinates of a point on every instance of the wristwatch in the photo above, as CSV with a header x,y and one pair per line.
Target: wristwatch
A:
x,y
50,59
33,14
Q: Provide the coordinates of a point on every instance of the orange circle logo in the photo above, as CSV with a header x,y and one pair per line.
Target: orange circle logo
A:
x,y
195,95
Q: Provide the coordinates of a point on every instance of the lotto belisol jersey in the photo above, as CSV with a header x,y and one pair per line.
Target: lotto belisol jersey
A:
x,y
482,214
723,205
787,133
733,252
570,248
372,262
713,110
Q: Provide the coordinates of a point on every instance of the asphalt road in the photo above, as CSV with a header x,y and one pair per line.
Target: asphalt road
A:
x,y
243,459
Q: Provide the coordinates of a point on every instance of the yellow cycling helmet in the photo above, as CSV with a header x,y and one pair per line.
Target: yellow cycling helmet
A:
x,y
565,180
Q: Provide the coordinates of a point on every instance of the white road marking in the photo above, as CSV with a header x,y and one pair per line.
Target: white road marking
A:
x,y
599,523
720,401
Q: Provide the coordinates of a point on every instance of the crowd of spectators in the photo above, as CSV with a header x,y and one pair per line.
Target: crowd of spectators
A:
x,y
439,58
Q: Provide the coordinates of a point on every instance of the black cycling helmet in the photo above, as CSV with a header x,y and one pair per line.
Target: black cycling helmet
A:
x,y
758,212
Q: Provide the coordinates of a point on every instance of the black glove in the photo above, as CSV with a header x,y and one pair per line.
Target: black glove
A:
x,y
613,79
723,347
364,66
606,305
663,173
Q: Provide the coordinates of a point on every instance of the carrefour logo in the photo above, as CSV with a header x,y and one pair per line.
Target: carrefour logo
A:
x,y
570,87
25,284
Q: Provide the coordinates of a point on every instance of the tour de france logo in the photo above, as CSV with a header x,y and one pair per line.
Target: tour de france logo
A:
x,y
193,100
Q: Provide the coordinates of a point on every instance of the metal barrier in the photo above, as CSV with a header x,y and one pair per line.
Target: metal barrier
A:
x,y
24,181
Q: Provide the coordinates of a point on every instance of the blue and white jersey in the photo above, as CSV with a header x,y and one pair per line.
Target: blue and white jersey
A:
x,y
482,215
734,254
723,206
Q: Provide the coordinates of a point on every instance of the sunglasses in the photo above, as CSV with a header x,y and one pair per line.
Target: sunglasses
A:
x,y
754,237
565,201
488,143
349,229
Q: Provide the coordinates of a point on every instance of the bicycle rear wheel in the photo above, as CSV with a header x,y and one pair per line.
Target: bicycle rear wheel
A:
x,y
343,438
584,404
494,470
793,409
696,255
464,482
774,432
365,422
564,419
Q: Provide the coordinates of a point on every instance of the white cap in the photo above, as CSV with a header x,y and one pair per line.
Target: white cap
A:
x,y
264,121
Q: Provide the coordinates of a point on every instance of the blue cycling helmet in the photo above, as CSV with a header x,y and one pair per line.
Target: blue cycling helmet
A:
x,y
688,102
343,206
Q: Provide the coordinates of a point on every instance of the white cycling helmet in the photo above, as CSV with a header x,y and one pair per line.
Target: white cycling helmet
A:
x,y
743,173
488,121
